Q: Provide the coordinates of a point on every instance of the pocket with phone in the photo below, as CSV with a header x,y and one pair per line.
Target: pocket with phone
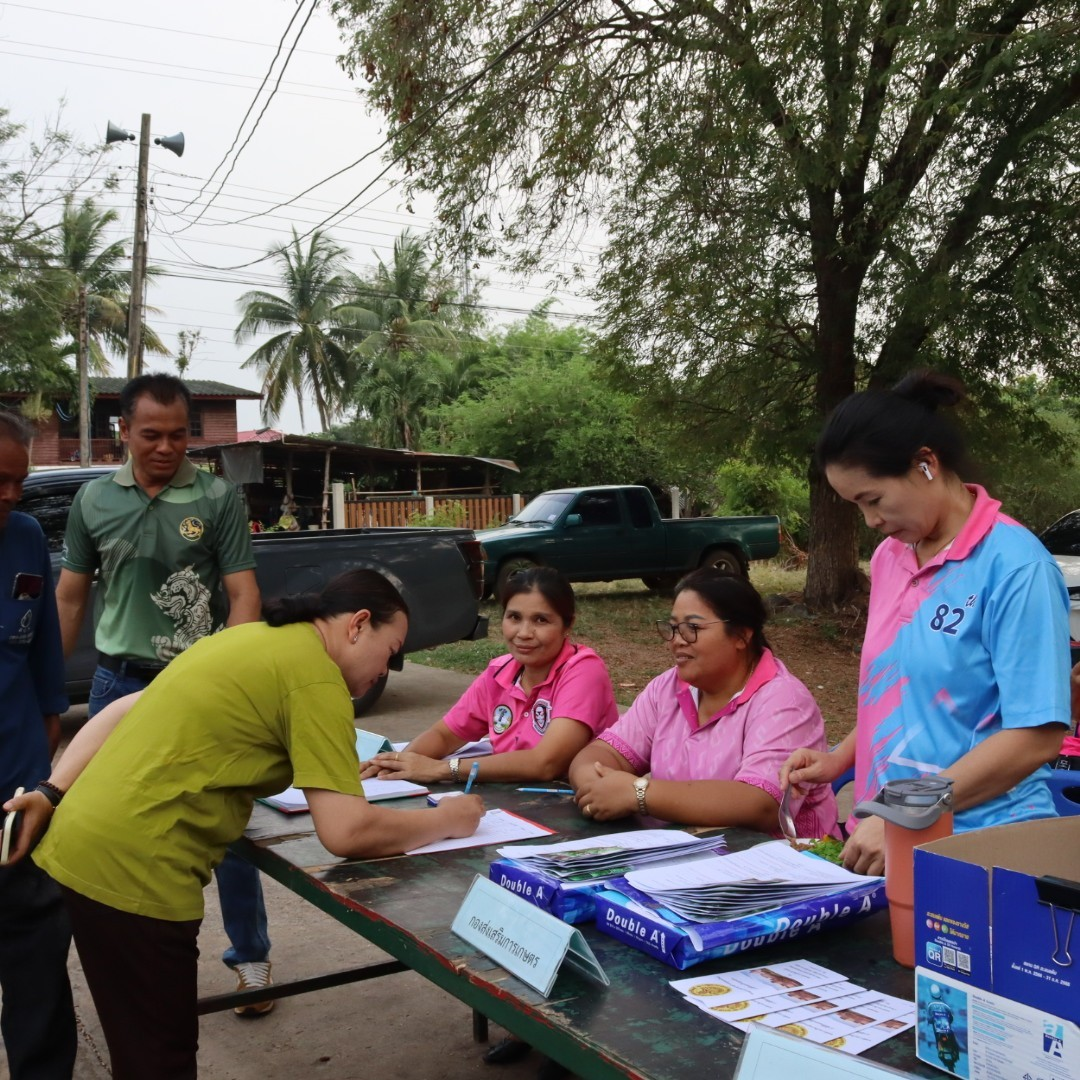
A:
x,y
27,587
12,820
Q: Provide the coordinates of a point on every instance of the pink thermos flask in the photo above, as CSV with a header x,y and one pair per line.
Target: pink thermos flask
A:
x,y
915,812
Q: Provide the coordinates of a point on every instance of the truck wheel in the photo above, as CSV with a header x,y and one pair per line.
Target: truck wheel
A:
x,y
727,562
366,703
661,582
511,566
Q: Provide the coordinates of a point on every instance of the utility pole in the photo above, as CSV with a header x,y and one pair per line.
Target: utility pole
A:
x,y
138,254
83,364
175,143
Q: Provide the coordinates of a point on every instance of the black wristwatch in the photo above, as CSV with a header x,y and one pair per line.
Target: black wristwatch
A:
x,y
51,792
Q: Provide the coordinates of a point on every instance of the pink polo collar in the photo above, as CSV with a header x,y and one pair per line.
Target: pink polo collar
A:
x,y
508,674
766,669
980,521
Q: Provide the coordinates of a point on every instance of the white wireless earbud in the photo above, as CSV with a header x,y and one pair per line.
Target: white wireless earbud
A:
x,y
925,470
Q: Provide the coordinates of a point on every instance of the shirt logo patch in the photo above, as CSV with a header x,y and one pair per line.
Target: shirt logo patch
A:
x,y
541,715
501,719
191,528
24,635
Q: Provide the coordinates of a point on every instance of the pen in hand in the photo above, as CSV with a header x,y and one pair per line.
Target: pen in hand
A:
x,y
475,768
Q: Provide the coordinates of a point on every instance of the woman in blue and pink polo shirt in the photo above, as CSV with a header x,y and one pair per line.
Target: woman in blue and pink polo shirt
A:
x,y
713,731
539,704
964,667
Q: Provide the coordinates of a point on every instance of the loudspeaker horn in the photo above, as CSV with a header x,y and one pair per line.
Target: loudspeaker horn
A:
x,y
175,143
117,134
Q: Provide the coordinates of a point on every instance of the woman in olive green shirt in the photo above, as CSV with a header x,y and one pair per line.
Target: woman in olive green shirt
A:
x,y
155,788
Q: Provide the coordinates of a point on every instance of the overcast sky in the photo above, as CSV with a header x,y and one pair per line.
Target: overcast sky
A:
x,y
196,67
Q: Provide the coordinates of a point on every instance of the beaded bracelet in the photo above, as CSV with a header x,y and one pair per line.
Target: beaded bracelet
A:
x,y
51,792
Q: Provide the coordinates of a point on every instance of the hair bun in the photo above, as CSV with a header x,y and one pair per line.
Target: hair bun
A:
x,y
930,389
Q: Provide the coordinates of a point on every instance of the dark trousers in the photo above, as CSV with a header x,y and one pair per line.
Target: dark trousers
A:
x,y
38,1019
142,974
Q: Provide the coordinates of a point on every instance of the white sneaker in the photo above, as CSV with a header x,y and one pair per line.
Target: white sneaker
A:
x,y
254,976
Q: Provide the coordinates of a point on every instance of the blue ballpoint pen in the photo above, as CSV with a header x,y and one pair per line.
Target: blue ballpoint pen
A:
x,y
548,790
472,776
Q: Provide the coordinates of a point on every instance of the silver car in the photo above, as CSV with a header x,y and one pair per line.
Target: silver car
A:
x,y
1062,540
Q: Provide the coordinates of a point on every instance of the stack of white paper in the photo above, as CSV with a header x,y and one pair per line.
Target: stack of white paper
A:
x,y
730,886
600,857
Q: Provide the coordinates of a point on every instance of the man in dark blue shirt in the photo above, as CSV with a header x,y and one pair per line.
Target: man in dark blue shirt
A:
x,y
38,1018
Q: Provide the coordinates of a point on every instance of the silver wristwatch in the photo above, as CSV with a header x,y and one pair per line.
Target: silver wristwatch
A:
x,y
455,769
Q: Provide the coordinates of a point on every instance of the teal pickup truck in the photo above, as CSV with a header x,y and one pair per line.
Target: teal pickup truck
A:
x,y
608,533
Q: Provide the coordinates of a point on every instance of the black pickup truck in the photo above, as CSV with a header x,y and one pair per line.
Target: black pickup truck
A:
x,y
439,571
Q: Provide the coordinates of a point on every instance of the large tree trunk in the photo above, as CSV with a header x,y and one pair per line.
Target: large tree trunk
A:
x,y
832,571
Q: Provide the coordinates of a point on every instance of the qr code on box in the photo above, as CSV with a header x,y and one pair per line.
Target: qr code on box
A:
x,y
948,957
963,962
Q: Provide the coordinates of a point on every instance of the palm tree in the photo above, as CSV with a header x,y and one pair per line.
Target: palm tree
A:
x,y
396,389
309,353
83,259
401,306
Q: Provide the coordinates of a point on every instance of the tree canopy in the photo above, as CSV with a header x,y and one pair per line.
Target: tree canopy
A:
x,y
552,412
800,199
53,245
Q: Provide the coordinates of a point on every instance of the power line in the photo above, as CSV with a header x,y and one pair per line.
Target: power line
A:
x,y
262,113
166,75
372,293
163,63
407,220
148,26
446,99
271,191
366,233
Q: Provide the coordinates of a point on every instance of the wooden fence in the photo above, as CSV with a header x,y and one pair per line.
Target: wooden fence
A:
x,y
464,511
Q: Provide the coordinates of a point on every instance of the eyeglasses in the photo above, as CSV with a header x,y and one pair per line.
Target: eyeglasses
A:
x,y
688,631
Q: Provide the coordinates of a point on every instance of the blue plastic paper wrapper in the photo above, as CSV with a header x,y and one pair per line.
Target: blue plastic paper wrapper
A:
x,y
682,943
572,902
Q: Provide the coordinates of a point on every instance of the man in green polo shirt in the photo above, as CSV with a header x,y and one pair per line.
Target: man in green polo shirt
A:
x,y
172,550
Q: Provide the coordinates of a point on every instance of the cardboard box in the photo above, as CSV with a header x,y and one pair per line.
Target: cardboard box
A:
x,y
634,918
969,1032
573,902
995,909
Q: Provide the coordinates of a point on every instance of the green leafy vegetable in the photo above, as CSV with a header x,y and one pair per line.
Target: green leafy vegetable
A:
x,y
828,848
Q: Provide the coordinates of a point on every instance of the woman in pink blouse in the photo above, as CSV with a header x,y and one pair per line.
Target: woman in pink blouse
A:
x,y
704,742
539,704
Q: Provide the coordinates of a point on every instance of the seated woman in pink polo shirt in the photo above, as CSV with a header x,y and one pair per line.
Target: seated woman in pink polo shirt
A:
x,y
704,742
539,704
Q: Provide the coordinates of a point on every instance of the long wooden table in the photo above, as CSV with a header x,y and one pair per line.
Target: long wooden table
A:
x,y
637,1027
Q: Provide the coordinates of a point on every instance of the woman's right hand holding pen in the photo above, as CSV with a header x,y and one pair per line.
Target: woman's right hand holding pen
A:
x,y
461,814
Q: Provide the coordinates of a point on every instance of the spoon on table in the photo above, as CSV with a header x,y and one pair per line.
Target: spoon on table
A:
x,y
787,822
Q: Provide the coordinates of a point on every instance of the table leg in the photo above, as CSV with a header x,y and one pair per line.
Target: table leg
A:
x,y
479,1026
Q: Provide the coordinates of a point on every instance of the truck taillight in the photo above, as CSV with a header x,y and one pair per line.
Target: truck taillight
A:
x,y
474,561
